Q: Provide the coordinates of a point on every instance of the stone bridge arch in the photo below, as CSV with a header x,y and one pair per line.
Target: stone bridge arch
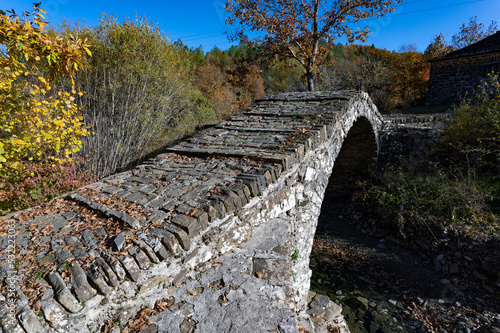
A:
x,y
347,156
211,226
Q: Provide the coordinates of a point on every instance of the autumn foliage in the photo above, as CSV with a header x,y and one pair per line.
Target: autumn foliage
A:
x,y
394,80
469,33
228,81
38,124
101,98
211,79
294,29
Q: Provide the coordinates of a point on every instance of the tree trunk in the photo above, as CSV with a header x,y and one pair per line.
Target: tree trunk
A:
x,y
311,61
310,81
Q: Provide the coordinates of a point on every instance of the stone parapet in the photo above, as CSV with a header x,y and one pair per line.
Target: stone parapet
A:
x,y
411,138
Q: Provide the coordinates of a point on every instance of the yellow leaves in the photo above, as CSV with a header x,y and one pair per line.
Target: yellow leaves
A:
x,y
17,142
2,152
50,127
42,25
36,126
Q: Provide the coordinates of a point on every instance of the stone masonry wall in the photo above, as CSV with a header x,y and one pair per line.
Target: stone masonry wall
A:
x,y
410,138
452,79
190,227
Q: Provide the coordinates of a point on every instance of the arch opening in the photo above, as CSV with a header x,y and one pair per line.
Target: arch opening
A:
x,y
354,162
356,158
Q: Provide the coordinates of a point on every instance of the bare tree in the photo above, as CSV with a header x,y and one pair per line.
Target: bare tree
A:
x,y
471,33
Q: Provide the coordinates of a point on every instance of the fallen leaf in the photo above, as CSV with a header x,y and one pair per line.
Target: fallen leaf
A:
x,y
32,227
37,306
163,305
192,293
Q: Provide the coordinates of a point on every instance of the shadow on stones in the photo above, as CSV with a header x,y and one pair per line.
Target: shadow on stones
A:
x,y
364,273
217,284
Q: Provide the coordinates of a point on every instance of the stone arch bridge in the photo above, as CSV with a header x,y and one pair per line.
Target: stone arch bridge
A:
x,y
216,231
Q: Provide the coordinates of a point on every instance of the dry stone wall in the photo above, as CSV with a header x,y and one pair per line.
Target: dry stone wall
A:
x,y
219,228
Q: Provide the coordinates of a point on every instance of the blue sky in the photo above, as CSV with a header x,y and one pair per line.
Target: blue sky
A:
x,y
201,22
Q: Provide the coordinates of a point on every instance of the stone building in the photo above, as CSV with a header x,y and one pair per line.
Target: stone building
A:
x,y
457,73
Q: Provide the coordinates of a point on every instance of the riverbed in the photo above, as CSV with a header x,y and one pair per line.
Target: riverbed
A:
x,y
384,285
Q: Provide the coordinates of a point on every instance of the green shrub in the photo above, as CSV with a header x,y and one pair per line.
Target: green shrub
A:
x,y
200,112
473,138
429,200
463,190
136,87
